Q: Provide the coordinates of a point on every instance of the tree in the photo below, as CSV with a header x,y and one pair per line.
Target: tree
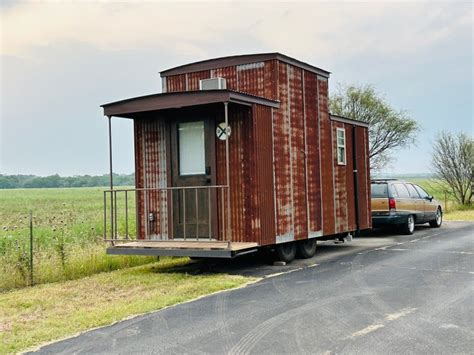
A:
x,y
453,164
388,128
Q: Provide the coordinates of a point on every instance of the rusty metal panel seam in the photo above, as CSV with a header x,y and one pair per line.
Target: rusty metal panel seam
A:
x,y
320,158
333,177
308,227
288,110
274,180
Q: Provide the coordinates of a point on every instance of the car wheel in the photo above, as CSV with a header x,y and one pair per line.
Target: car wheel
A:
x,y
436,223
409,226
306,248
286,252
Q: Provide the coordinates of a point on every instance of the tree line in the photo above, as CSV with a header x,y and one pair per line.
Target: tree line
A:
x,y
33,181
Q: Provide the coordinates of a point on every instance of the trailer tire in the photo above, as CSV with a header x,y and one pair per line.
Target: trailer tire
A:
x,y
286,252
306,248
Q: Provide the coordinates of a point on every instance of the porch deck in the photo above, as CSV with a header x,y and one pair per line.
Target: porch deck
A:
x,y
205,249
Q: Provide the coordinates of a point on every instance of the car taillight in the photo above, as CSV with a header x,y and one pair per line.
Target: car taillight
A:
x,y
391,203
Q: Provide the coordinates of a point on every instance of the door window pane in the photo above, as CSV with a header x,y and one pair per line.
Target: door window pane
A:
x,y
413,193
191,148
402,190
422,192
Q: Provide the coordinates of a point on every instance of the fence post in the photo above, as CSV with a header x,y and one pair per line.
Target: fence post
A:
x,y
31,248
445,202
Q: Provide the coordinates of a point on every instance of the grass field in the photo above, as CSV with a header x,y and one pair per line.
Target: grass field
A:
x,y
68,229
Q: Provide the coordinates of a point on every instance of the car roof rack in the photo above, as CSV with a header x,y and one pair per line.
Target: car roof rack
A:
x,y
385,179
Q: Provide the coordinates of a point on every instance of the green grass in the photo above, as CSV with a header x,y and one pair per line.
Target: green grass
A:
x,y
452,210
34,315
68,229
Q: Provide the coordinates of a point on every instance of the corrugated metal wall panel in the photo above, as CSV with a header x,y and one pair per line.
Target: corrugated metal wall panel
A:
x,y
282,162
263,225
327,167
297,146
250,78
312,146
176,83
229,73
240,179
349,175
151,172
193,79
364,177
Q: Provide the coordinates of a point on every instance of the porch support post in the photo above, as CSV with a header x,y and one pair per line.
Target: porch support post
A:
x,y
227,166
112,224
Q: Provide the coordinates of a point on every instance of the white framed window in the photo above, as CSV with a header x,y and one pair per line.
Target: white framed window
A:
x,y
191,147
341,146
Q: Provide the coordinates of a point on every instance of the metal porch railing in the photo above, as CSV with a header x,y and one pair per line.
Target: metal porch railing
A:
x,y
169,213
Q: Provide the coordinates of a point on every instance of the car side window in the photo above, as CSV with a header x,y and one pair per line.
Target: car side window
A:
x,y
412,191
422,192
402,191
393,191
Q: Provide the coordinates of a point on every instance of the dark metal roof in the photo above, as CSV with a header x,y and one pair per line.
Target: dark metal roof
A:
x,y
238,60
348,120
128,107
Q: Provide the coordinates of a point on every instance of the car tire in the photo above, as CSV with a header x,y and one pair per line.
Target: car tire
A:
x,y
286,252
408,227
306,248
438,221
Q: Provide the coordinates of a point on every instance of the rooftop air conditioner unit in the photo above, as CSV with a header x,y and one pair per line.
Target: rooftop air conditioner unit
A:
x,y
212,84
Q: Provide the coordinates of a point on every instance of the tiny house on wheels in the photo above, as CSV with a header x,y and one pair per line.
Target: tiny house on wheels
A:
x,y
236,154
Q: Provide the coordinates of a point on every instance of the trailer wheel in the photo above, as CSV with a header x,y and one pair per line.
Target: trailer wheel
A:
x,y
306,248
286,252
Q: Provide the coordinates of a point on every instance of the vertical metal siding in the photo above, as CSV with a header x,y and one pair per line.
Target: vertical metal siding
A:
x,y
281,132
194,78
326,159
312,154
298,153
151,172
240,179
364,177
263,225
296,185
176,83
350,190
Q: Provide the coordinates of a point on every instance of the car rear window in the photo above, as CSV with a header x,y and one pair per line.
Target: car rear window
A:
x,y
379,190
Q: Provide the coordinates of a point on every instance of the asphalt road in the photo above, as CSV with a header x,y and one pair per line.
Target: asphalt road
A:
x,y
382,293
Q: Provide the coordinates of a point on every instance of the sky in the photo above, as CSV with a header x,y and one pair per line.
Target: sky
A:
x,y
60,61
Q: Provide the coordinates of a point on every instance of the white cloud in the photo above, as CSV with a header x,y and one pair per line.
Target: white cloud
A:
x,y
323,29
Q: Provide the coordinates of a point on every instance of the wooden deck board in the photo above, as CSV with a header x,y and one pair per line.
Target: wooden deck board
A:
x,y
201,245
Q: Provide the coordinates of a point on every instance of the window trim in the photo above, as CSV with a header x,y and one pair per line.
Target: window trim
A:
x,y
343,146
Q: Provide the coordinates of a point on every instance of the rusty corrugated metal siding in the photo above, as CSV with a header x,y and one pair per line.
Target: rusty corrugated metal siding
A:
x,y
313,152
364,177
304,190
262,195
298,152
327,166
239,184
151,171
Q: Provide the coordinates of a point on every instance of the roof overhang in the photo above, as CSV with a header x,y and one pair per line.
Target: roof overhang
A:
x,y
348,121
131,107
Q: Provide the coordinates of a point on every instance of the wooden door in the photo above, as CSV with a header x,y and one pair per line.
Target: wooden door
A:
x,y
193,164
